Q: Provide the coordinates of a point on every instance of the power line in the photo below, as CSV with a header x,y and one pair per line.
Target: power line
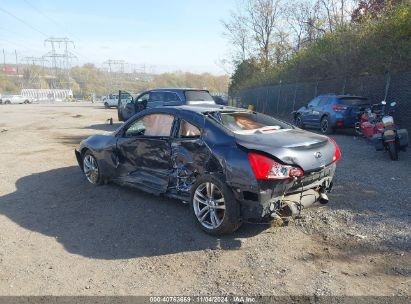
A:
x,y
22,21
60,26
52,20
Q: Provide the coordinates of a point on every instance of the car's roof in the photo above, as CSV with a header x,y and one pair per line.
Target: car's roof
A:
x,y
203,108
177,89
340,96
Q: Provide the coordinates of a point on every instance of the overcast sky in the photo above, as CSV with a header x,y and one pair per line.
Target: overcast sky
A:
x,y
169,35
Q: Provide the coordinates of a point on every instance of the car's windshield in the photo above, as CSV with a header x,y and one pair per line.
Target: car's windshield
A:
x,y
198,96
249,122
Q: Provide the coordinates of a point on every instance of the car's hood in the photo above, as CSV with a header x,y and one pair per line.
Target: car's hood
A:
x,y
98,142
292,146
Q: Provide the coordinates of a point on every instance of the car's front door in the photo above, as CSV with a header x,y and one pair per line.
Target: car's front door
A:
x,y
126,106
144,152
310,114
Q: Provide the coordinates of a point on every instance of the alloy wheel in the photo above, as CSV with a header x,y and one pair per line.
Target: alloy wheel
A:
x,y
324,125
90,168
299,122
209,205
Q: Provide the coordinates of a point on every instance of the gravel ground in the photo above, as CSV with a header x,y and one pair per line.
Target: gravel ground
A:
x,y
63,236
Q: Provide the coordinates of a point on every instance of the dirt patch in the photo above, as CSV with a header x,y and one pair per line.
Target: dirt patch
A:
x,y
62,236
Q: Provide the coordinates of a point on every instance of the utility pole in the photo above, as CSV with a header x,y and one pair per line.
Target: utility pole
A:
x,y
4,61
17,63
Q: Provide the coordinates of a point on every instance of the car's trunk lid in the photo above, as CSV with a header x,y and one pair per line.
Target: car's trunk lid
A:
x,y
309,151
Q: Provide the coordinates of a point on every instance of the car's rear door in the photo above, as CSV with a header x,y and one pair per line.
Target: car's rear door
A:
x,y
320,109
144,152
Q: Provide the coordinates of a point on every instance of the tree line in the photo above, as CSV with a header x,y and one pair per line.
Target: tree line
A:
x,y
276,41
87,79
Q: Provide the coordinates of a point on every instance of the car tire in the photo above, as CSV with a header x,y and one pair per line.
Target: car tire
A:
x,y
7,102
91,169
214,206
298,121
106,105
392,150
325,125
26,101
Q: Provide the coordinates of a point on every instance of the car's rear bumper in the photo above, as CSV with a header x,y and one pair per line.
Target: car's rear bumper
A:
x,y
273,195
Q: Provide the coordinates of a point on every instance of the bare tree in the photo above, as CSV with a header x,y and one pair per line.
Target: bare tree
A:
x,y
337,12
263,16
238,34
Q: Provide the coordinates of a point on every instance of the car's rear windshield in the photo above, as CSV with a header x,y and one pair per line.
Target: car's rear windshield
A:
x,y
354,101
198,96
249,122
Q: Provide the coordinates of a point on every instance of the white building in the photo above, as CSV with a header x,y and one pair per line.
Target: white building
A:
x,y
47,94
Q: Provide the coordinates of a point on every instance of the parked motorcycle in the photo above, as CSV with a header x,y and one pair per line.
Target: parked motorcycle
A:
x,y
388,137
368,123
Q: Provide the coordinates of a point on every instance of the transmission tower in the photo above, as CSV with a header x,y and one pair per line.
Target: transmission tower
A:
x,y
116,72
34,75
60,54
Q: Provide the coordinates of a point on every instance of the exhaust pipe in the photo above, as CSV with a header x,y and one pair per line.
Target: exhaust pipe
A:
x,y
323,198
295,203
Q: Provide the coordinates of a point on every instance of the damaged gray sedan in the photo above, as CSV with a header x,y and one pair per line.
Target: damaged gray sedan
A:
x,y
230,164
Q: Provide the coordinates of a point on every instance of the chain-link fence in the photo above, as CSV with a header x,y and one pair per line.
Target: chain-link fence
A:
x,y
280,100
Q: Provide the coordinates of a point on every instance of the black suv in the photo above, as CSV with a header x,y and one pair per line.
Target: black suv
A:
x,y
130,104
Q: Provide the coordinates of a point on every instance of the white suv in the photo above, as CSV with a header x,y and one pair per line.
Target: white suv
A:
x,y
111,101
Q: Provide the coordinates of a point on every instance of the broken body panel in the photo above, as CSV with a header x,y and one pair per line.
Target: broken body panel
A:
x,y
170,165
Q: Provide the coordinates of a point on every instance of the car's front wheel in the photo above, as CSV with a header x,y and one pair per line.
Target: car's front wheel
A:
x,y
214,207
299,121
91,169
106,105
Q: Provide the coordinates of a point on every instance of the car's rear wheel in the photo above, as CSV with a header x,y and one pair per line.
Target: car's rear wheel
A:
x,y
91,169
106,105
214,206
325,125
7,102
299,121
26,101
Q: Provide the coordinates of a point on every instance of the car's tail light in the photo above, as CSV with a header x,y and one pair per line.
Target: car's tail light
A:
x,y
267,168
337,153
339,108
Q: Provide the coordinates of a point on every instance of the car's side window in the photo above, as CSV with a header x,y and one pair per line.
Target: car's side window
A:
x,y
155,125
313,103
170,96
125,98
187,130
143,97
323,101
156,96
